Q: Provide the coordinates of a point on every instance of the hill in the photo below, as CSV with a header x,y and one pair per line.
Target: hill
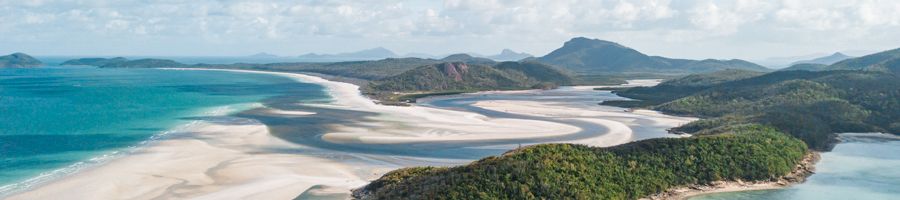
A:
x,y
882,61
466,58
94,61
679,87
509,55
630,171
809,105
806,67
592,56
462,76
19,60
827,60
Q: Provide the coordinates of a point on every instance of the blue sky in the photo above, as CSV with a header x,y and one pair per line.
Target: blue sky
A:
x,y
744,29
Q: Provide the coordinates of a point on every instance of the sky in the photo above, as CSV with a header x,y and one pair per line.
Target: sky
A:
x,y
746,29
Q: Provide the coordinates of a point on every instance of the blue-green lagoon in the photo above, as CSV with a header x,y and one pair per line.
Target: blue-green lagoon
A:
x,y
57,120
862,166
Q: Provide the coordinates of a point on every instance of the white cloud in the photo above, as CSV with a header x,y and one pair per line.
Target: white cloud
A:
x,y
538,26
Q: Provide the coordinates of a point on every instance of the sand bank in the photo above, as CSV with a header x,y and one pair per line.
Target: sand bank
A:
x,y
238,158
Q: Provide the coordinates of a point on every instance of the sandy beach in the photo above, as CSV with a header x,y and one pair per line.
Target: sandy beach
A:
x,y
227,157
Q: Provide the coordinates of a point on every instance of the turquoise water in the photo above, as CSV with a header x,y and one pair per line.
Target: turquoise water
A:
x,y
56,120
864,166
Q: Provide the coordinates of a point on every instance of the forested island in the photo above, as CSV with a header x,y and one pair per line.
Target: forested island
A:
x,y
19,60
629,171
757,125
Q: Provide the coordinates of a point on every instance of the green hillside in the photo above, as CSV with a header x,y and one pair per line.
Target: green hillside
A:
x,y
629,171
679,87
472,77
95,61
809,105
592,56
466,58
888,61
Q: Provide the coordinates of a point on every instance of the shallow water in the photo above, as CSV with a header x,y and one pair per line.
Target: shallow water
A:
x,y
57,120
863,166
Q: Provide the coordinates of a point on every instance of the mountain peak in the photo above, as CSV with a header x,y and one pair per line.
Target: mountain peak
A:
x,y
509,55
583,41
456,57
827,60
584,55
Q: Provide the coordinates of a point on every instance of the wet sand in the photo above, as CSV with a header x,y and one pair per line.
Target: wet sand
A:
x,y
325,149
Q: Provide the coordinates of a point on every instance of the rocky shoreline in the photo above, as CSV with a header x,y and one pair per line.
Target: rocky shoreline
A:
x,y
803,170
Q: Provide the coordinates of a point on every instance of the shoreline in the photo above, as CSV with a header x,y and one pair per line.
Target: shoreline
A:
x,y
801,172
223,157
49,177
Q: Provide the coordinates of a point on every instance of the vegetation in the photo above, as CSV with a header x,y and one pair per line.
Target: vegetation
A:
x,y
808,105
590,56
454,77
144,63
883,61
678,88
630,171
462,76
466,58
411,98
95,61
806,67
827,60
19,60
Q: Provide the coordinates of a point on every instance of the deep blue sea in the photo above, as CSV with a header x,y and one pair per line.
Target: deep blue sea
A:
x,y
57,120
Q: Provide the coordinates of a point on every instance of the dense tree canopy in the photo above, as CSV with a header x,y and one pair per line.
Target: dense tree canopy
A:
x,y
630,171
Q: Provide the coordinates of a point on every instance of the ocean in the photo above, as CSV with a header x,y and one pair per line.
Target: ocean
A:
x,y
56,121
862,166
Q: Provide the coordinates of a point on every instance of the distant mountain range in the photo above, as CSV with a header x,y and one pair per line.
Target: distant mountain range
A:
x,y
827,60
120,62
806,67
883,61
264,55
19,60
382,53
887,61
592,56
94,61
509,55
368,54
